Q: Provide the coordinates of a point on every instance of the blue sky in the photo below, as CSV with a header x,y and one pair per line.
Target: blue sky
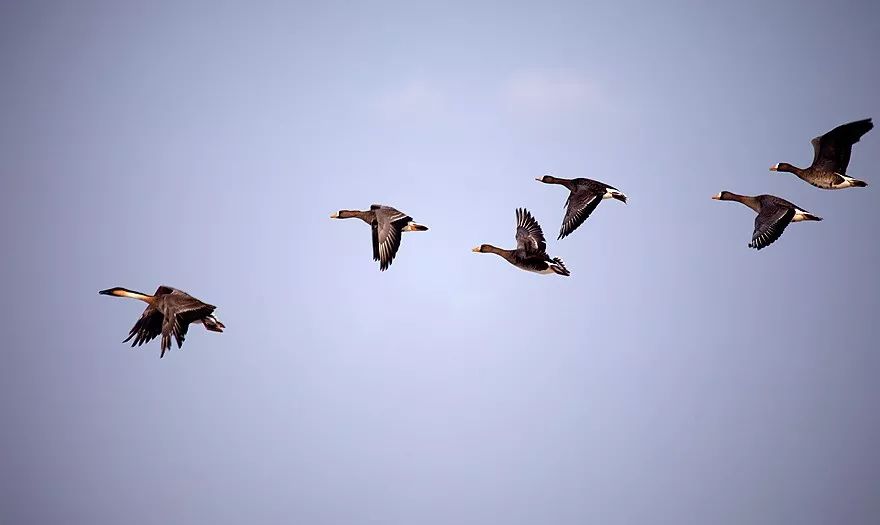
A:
x,y
676,377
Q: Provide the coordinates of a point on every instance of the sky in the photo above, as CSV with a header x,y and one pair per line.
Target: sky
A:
x,y
676,377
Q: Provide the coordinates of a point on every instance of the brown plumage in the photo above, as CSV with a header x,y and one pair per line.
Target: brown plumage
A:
x,y
169,313
831,153
774,215
387,225
531,248
585,195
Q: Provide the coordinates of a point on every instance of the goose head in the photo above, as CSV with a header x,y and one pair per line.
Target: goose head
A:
x,y
487,248
346,214
784,167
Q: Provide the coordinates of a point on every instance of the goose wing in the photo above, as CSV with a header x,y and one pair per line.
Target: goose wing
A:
x,y
529,236
147,328
179,310
387,230
580,204
832,150
770,223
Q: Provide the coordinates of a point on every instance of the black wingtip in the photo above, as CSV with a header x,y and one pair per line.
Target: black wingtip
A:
x,y
860,127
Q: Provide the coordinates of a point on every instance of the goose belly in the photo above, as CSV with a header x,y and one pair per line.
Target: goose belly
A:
x,y
542,268
823,180
531,263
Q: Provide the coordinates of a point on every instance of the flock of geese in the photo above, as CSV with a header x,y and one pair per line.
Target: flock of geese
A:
x,y
170,311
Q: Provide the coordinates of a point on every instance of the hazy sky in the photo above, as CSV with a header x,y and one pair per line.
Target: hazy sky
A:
x,y
676,377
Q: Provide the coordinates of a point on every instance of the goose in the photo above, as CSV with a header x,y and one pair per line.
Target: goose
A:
x,y
774,214
585,196
169,312
387,224
831,153
530,253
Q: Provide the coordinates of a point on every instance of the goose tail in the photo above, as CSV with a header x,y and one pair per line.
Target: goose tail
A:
x,y
413,227
213,324
811,217
848,182
619,196
558,267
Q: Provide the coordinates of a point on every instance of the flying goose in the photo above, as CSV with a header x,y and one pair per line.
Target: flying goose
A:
x,y
169,312
530,253
387,224
585,196
774,214
831,153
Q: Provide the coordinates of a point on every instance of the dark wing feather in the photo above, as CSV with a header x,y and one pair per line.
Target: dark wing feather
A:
x,y
146,328
387,233
375,229
529,236
832,150
579,205
769,225
180,309
169,326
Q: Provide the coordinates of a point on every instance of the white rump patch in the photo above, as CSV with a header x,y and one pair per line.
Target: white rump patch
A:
x,y
847,181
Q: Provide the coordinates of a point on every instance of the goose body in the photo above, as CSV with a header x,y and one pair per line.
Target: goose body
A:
x,y
831,153
585,195
774,215
169,313
531,250
387,224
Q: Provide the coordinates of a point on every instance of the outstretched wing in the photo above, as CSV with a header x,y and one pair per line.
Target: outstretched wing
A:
x,y
529,236
387,233
832,150
580,204
147,328
769,225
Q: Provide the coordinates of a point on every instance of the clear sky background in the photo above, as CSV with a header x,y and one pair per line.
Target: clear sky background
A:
x,y
676,377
